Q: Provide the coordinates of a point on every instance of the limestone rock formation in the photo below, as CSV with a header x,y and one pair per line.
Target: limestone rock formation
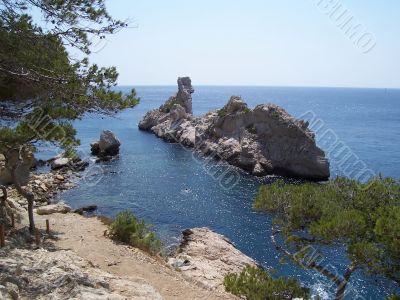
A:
x,y
42,274
108,145
207,257
183,97
263,141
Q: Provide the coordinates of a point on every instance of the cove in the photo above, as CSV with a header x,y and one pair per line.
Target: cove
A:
x,y
168,186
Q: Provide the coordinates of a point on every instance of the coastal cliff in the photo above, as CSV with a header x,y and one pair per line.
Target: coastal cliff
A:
x,y
263,141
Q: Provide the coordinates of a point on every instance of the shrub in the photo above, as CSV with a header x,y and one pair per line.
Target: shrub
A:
x,y
247,110
222,112
252,129
275,114
128,229
256,284
166,107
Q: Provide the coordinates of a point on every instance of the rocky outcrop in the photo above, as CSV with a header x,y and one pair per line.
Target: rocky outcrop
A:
x,y
108,145
176,108
182,98
263,141
42,274
44,186
207,257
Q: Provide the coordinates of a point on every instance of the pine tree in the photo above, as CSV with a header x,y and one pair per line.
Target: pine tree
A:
x,y
43,88
362,217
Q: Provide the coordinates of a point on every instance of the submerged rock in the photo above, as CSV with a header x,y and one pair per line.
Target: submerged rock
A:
x,y
263,141
207,257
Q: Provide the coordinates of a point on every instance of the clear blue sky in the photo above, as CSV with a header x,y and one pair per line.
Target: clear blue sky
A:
x,y
254,42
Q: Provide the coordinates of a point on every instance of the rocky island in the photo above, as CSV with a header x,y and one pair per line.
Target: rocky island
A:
x,y
263,141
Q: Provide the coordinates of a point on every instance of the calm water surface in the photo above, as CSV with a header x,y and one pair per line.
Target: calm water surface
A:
x,y
172,188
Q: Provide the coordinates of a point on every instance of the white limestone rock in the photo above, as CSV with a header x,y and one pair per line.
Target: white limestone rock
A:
x,y
41,274
207,257
263,141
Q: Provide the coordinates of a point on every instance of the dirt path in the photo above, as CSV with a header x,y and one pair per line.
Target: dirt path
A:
x,y
85,236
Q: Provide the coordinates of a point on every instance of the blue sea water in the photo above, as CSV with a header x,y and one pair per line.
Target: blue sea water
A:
x,y
174,188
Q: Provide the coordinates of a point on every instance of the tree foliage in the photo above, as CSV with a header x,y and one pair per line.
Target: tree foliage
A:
x,y
37,71
256,284
128,229
46,78
363,217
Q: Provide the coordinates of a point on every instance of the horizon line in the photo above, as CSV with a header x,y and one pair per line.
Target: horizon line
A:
x,y
269,86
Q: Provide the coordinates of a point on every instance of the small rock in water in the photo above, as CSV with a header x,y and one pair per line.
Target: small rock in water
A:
x,y
108,145
60,163
186,191
89,208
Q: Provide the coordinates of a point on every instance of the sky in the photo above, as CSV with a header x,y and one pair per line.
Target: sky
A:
x,y
256,42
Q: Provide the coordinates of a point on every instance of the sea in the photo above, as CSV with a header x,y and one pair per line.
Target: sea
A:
x,y
174,188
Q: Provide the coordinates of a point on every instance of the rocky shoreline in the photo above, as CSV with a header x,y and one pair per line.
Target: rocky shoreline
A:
x,y
262,141
94,267
64,172
45,187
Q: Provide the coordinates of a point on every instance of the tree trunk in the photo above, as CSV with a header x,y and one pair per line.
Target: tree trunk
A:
x,y
340,291
4,197
13,161
29,197
3,208
30,215
341,287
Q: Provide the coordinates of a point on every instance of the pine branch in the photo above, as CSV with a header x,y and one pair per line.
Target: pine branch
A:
x,y
313,265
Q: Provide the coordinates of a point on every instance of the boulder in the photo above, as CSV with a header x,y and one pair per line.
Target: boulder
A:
x,y
207,257
87,209
95,148
108,145
59,208
263,141
60,163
